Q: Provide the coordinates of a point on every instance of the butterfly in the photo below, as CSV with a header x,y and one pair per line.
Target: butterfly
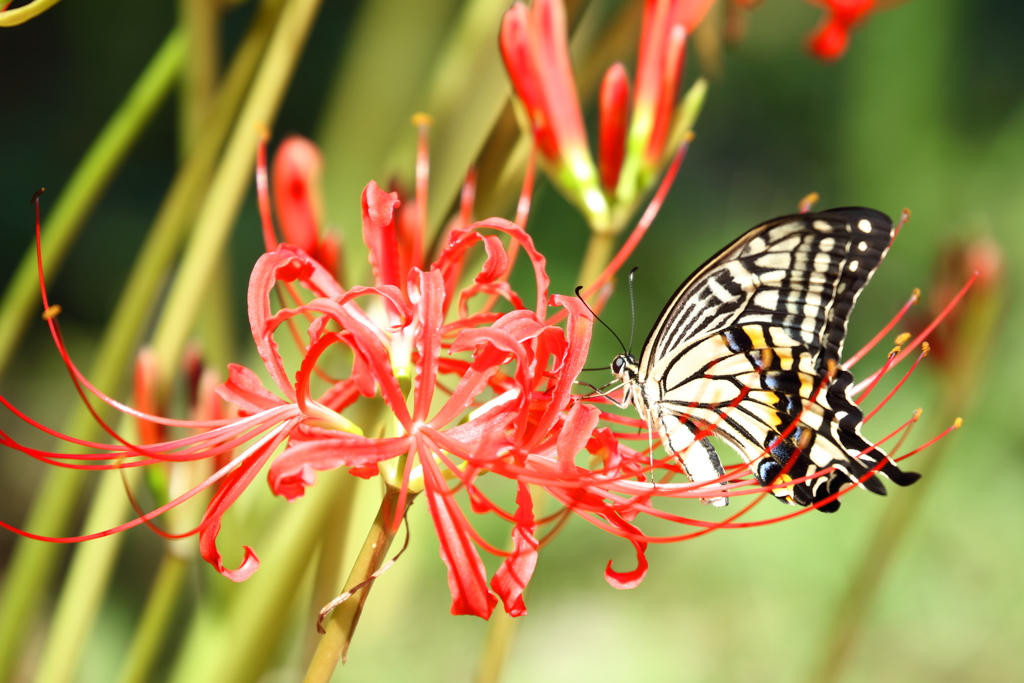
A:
x,y
748,349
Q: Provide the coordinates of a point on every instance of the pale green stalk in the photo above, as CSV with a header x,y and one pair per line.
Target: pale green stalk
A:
x,y
501,631
201,22
150,632
14,17
231,181
90,179
84,588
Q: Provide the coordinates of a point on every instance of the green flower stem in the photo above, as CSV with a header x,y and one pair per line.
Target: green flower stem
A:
x,y
14,17
201,21
151,630
83,588
600,248
85,188
33,563
231,181
970,351
501,631
341,624
332,548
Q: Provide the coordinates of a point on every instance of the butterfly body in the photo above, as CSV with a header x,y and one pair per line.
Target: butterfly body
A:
x,y
749,348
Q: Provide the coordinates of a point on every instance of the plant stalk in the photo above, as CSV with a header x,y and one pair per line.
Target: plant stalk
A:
x,y
341,625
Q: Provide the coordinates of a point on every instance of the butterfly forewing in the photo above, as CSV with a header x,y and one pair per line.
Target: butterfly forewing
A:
x,y
748,348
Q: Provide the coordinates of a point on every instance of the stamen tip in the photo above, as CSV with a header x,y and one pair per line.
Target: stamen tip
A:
x,y
808,202
421,119
36,194
926,348
916,296
262,132
52,312
902,339
957,423
917,415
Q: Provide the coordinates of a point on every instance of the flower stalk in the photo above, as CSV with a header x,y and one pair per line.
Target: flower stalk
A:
x,y
341,625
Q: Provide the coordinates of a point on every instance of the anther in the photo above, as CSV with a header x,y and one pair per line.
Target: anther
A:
x,y
902,339
36,194
957,423
808,202
926,348
52,312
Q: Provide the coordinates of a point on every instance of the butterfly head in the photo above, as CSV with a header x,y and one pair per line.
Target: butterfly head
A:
x,y
625,368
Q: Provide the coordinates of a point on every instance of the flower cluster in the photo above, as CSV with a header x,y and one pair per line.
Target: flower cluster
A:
x,y
633,148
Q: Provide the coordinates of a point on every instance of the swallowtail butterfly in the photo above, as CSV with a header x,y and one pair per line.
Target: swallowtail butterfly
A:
x,y
749,349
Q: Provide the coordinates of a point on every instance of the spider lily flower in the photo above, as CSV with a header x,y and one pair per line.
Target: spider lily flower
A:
x,y
295,188
634,148
831,38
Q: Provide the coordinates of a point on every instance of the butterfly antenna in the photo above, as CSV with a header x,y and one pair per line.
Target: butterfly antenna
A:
x,y
599,319
632,311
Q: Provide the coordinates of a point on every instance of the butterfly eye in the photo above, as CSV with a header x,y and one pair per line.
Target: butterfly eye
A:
x,y
617,364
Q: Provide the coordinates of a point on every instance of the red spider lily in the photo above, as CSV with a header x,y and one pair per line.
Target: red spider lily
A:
x,y
632,148
297,201
832,36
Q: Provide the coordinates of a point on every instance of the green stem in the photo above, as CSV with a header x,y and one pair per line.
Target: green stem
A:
x,y
156,616
85,188
14,17
201,20
33,563
341,625
600,248
332,548
501,631
83,589
231,180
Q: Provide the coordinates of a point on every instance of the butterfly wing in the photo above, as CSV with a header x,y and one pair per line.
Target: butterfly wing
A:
x,y
749,346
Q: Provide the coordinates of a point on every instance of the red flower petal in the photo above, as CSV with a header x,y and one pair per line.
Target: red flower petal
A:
x,y
613,109
575,433
428,340
244,389
516,50
379,234
295,469
296,176
467,578
510,580
630,579
831,40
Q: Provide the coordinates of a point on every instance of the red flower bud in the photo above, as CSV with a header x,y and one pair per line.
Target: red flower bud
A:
x,y
613,108
296,190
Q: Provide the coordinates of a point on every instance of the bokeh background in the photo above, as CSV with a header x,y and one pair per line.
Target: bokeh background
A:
x,y
925,111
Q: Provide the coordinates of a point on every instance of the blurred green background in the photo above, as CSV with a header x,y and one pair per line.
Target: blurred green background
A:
x,y
925,111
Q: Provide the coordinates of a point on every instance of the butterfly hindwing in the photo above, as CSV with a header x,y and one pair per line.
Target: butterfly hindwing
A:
x,y
748,349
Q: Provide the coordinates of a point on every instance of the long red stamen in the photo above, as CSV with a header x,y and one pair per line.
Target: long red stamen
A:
x,y
914,298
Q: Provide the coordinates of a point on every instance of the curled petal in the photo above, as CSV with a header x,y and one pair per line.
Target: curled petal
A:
x,y
285,264
232,486
630,579
379,233
208,549
430,312
510,580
